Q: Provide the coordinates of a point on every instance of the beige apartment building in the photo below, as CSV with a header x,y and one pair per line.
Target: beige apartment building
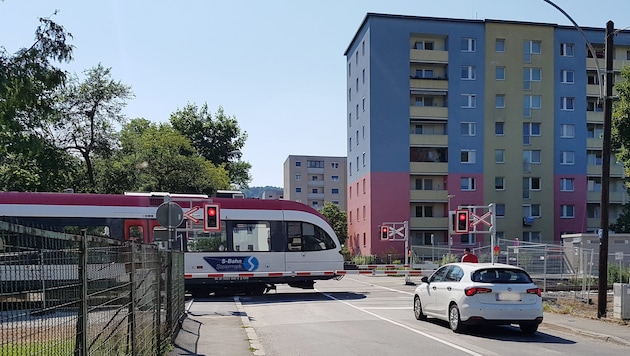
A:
x,y
316,180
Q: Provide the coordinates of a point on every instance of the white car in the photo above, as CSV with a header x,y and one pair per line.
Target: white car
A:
x,y
480,293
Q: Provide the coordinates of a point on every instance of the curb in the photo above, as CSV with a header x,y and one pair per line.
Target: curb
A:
x,y
254,342
590,334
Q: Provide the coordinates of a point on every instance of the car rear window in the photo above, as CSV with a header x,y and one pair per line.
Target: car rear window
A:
x,y
501,275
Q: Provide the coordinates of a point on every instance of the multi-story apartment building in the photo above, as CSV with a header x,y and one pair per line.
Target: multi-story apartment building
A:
x,y
315,180
448,112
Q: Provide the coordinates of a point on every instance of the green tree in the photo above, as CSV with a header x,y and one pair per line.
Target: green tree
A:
x,y
28,82
89,111
156,157
218,139
620,140
337,219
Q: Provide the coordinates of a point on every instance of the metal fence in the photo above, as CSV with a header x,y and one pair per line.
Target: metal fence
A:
x,y
553,267
83,294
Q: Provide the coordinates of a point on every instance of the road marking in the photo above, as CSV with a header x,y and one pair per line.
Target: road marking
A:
x,y
470,352
386,288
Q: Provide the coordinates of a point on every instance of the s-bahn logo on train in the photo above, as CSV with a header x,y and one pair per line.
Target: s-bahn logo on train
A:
x,y
233,263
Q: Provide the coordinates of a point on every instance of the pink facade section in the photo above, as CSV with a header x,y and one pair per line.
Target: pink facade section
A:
x,y
576,198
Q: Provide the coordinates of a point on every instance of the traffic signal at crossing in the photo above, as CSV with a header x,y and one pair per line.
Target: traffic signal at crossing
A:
x,y
384,233
462,221
212,221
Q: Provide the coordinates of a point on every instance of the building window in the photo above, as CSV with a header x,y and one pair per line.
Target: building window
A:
x,y
334,165
469,45
499,156
350,168
315,164
298,190
357,84
363,158
531,102
567,76
567,184
363,185
350,144
349,69
567,49
363,104
499,45
298,177
424,211
356,57
531,75
349,94
357,166
336,202
531,210
500,210
499,183
350,119
531,236
363,76
530,47
530,129
468,156
499,128
334,178
334,190
567,103
423,101
363,48
499,73
567,157
469,100
467,183
424,184
499,101
593,158
567,131
468,128
531,156
594,130
314,191
424,45
532,183
298,163
469,73
594,185
567,211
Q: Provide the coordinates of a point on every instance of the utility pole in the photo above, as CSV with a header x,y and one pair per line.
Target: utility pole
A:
x,y
605,199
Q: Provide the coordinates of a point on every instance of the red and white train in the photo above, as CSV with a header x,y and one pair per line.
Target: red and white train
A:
x,y
255,244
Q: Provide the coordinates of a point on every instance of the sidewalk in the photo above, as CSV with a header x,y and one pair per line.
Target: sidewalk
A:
x,y
608,330
233,334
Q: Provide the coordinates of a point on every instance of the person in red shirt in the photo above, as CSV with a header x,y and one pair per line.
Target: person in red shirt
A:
x,y
469,256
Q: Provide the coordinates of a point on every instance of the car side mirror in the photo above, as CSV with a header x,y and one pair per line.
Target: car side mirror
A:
x,y
425,279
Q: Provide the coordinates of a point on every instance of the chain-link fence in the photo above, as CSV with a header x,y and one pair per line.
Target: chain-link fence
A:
x,y
83,294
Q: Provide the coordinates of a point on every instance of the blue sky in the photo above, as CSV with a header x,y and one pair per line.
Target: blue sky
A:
x,y
276,65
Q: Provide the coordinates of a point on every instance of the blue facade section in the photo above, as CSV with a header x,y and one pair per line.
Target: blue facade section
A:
x,y
577,90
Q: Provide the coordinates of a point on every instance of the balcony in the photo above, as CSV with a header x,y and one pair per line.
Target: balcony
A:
x,y
315,170
613,197
429,223
595,116
424,56
594,143
315,196
428,140
615,170
428,168
429,196
315,183
428,111
438,85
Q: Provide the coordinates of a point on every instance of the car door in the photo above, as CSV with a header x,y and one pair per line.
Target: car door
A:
x,y
433,288
446,287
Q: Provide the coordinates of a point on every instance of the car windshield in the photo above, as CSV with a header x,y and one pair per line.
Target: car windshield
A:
x,y
501,275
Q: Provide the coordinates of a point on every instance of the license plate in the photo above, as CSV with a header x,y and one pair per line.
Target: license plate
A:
x,y
513,297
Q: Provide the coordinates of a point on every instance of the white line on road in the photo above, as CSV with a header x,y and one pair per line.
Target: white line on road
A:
x,y
470,352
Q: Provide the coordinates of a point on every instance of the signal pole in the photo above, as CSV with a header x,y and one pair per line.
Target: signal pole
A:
x,y
605,199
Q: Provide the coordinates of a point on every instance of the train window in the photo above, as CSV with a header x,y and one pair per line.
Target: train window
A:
x,y
308,237
254,236
203,241
136,233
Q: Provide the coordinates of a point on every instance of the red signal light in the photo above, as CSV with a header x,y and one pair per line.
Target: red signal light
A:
x,y
462,225
212,221
384,233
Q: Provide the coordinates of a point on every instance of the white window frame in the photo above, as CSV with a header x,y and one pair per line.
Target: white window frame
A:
x,y
468,44
531,102
499,45
567,158
467,184
499,101
532,210
469,101
530,184
499,73
501,185
532,156
567,184
499,156
567,131
468,128
567,211
468,73
531,75
469,155
298,177
567,76
567,103
567,49
496,126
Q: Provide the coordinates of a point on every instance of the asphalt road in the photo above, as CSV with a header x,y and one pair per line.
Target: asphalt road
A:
x,y
365,315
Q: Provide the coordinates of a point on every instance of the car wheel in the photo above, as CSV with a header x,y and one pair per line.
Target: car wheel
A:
x,y
417,309
454,320
528,329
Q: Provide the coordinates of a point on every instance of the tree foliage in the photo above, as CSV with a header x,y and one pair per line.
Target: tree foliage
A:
x,y
218,139
620,140
337,219
89,111
28,83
